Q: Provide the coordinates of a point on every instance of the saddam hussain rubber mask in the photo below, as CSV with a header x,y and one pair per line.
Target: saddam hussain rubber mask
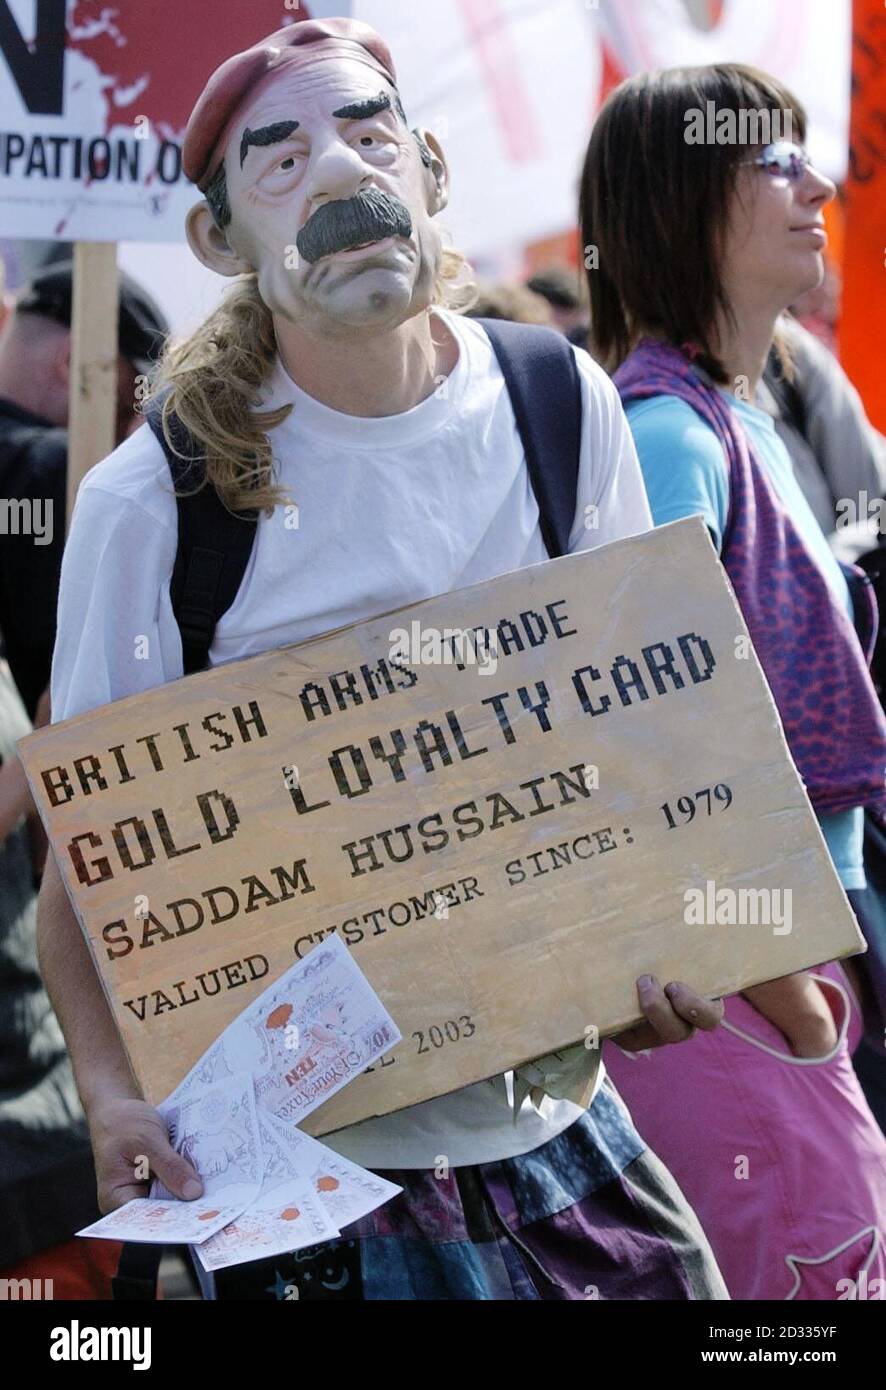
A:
x,y
314,180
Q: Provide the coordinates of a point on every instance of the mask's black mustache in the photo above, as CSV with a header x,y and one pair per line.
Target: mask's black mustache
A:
x,y
342,225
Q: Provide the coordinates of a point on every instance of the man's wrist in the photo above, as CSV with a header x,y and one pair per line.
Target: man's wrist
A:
x,y
101,1090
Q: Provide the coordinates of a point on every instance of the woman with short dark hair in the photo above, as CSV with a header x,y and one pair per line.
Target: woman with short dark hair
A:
x,y
705,215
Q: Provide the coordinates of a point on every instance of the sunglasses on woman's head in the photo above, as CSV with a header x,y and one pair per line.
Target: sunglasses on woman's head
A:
x,y
783,158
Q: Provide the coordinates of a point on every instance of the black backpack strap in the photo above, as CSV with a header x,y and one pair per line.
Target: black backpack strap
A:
x,y
540,371
137,1273
214,544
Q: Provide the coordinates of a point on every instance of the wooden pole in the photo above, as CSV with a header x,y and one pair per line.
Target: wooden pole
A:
x,y
93,390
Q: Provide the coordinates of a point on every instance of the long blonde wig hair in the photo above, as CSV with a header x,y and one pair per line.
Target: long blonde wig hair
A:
x,y
213,381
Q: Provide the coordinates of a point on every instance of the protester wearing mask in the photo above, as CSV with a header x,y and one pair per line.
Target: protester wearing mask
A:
x,y
318,378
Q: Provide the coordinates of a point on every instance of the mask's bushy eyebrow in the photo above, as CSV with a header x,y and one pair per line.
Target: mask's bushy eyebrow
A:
x,y
266,135
362,110
427,158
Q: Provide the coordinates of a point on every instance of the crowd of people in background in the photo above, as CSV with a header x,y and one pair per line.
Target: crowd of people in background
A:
x,y
738,412
47,1180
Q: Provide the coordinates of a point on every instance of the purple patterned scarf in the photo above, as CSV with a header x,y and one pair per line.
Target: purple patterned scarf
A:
x,y
804,639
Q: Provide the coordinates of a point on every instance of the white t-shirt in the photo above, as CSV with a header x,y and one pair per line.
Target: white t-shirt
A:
x,y
392,510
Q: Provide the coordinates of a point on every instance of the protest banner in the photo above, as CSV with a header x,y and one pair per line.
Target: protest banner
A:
x,y
506,828
511,88
95,100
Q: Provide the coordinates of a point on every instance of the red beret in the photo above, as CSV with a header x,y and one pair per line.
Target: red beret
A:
x,y
307,41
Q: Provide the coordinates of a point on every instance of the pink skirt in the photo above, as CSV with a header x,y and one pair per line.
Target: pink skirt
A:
x,y
780,1156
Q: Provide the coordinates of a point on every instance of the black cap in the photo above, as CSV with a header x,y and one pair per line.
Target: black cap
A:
x,y
142,326
559,286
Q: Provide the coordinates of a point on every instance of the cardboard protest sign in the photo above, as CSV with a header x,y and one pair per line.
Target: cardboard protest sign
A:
x,y
505,832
